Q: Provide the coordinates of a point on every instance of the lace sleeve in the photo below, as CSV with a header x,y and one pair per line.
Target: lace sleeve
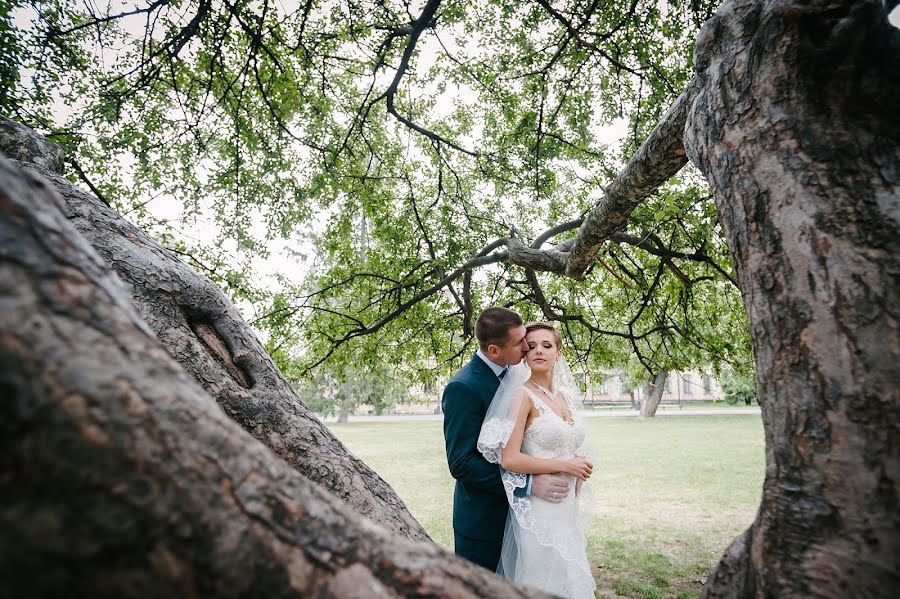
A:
x,y
501,415
494,435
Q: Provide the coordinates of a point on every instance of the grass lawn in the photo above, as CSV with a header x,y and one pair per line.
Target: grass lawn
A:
x,y
674,407
672,492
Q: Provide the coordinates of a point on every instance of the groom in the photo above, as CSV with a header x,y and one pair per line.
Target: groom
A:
x,y
479,501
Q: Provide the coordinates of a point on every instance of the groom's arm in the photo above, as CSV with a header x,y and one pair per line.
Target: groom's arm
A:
x,y
462,425
526,490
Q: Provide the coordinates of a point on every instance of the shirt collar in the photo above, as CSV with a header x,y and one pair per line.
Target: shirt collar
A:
x,y
495,367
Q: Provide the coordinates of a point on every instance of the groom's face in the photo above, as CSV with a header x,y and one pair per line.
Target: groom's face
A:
x,y
513,350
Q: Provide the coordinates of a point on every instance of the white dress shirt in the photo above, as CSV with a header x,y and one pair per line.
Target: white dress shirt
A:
x,y
498,370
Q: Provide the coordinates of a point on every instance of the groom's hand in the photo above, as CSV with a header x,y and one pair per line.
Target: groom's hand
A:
x,y
549,487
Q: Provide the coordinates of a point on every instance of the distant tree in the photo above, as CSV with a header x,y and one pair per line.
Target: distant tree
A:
x,y
654,392
739,388
329,394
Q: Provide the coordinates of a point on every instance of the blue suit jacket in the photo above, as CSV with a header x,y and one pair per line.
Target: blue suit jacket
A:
x,y
479,501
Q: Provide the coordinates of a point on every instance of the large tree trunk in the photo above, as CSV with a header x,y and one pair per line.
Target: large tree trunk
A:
x,y
796,127
121,477
203,331
656,388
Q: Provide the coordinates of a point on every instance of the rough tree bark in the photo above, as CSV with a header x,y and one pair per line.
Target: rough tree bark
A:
x,y
654,394
121,477
203,331
797,129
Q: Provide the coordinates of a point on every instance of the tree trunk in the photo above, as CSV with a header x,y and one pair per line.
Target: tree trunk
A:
x,y
797,129
343,411
121,477
648,408
203,331
633,402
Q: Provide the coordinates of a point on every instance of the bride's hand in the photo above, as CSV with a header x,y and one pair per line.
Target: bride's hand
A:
x,y
579,467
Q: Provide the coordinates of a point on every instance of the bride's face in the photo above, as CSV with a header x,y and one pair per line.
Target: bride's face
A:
x,y
542,350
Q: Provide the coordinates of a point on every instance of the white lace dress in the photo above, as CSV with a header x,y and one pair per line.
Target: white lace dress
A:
x,y
544,544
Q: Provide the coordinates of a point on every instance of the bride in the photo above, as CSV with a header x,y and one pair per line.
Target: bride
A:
x,y
531,428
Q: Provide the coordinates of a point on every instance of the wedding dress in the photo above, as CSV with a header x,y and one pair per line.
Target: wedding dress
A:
x,y
543,544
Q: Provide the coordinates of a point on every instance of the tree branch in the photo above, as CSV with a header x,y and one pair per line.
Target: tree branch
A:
x,y
576,35
419,25
661,156
152,7
83,176
483,258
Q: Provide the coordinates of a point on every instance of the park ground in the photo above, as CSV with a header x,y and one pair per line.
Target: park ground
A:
x,y
671,492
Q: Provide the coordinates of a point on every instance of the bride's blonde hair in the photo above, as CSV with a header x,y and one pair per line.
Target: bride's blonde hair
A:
x,y
545,326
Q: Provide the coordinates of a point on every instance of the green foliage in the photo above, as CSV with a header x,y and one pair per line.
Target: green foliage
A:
x,y
328,394
739,388
289,125
9,57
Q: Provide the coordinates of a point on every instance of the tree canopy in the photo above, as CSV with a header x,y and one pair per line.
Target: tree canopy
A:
x,y
434,156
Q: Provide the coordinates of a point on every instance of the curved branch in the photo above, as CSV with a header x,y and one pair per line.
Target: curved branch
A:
x,y
557,230
550,314
661,156
576,35
60,33
648,243
170,48
551,260
419,25
483,258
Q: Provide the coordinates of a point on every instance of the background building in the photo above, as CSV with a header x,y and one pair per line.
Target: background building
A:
x,y
680,387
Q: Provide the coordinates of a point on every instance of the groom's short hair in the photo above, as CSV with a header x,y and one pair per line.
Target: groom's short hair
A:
x,y
493,325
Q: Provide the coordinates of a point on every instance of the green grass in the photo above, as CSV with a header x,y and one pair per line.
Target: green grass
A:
x,y
674,407
671,492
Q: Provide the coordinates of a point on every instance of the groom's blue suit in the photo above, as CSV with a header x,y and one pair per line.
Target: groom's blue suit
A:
x,y
479,501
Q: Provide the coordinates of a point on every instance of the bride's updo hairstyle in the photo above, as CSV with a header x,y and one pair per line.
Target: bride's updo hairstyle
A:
x,y
546,326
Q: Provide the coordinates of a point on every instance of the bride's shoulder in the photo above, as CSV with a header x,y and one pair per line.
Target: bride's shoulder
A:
x,y
523,395
526,395
518,392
